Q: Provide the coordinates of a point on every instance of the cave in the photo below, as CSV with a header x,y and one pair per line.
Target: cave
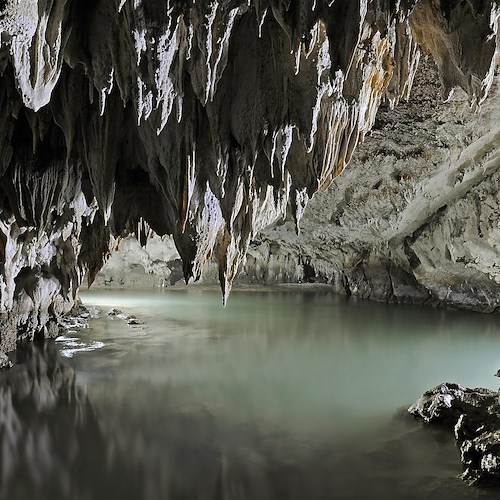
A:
x,y
239,238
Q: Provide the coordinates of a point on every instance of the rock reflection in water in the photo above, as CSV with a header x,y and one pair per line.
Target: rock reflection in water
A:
x,y
50,442
53,445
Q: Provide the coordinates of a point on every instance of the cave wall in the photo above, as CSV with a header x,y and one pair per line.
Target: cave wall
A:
x,y
413,219
415,216
204,120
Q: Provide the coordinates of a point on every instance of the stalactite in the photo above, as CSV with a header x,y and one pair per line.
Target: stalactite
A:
x,y
205,120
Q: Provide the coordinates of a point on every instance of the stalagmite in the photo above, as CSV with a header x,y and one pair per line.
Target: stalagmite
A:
x,y
204,120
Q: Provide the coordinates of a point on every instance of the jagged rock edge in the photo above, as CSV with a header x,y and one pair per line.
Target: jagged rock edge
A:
x,y
77,168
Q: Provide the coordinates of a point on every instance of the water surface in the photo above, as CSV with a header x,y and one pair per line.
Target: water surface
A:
x,y
281,395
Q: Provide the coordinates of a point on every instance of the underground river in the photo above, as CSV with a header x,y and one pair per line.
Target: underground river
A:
x,y
281,395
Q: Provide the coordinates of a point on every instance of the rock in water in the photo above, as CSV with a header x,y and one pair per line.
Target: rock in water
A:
x,y
4,362
474,417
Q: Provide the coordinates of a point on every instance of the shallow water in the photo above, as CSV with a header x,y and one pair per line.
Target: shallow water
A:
x,y
281,395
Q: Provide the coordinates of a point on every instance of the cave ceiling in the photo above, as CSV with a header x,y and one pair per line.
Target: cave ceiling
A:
x,y
206,120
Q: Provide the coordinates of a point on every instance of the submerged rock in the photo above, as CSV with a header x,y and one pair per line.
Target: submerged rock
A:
x,y
114,312
474,417
132,320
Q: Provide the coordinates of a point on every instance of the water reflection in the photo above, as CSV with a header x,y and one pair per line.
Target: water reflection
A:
x,y
53,445
46,425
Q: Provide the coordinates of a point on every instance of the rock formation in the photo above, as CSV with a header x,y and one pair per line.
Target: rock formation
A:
x,y
203,120
413,218
473,415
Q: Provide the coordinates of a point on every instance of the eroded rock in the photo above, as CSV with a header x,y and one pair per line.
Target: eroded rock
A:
x,y
204,120
396,226
5,362
474,417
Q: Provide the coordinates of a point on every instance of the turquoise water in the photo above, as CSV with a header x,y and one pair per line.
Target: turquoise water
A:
x,y
280,395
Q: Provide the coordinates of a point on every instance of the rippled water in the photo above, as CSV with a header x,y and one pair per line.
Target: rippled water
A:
x,y
281,395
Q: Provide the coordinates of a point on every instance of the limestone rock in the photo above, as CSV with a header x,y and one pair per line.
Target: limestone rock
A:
x,y
397,225
419,199
418,205
474,416
5,362
204,120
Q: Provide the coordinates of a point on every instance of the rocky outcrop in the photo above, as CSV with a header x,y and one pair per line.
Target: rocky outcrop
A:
x,y
155,264
474,417
413,218
203,120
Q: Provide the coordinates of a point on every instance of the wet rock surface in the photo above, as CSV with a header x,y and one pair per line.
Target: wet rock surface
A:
x,y
130,319
5,362
474,417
